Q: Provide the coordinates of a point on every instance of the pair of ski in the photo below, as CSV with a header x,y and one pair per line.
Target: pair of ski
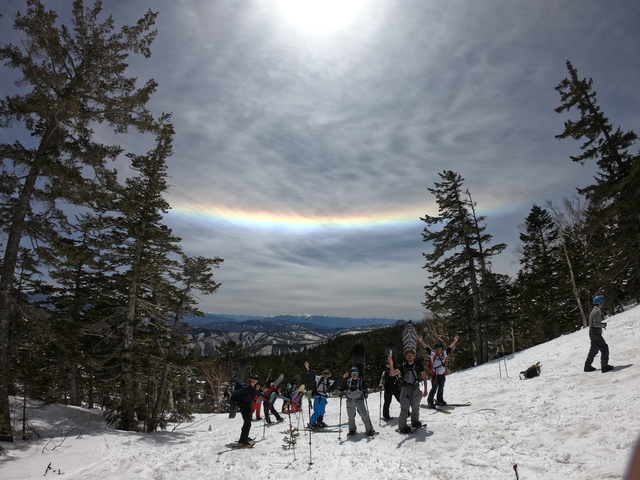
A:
x,y
446,408
413,429
240,446
327,429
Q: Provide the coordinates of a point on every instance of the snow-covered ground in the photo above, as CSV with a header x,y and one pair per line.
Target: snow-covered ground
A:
x,y
565,424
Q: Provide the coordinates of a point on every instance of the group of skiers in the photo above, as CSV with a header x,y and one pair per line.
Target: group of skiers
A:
x,y
290,395
401,383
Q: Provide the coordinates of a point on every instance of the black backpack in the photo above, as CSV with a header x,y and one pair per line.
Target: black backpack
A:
x,y
531,372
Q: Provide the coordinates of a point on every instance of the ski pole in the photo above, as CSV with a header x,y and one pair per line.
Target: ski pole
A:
x,y
340,420
309,415
292,438
366,405
504,357
380,411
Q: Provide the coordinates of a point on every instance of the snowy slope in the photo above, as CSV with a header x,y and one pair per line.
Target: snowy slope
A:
x,y
565,424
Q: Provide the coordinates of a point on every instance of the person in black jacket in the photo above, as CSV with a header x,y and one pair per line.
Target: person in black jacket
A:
x,y
413,373
391,387
243,397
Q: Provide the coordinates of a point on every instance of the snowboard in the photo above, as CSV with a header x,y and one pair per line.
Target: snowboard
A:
x,y
409,337
242,366
278,380
300,388
357,358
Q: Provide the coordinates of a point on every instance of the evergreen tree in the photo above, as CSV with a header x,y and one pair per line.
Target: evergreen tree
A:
x,y
141,251
194,274
73,78
575,244
458,262
501,303
613,218
541,281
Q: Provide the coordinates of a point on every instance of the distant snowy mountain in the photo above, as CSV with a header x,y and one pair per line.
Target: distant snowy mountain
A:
x,y
273,335
321,321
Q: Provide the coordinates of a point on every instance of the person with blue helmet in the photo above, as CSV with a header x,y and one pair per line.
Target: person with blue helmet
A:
x,y
356,391
597,340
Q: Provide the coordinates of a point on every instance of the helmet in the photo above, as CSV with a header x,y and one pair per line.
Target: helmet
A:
x,y
355,370
326,372
254,376
598,300
439,345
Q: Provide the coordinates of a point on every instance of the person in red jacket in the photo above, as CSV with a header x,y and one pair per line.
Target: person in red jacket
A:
x,y
257,402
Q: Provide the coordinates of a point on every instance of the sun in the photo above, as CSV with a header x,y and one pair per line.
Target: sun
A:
x,y
320,15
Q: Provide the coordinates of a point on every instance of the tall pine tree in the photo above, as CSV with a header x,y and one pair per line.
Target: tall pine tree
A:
x,y
144,252
71,79
542,282
459,261
613,217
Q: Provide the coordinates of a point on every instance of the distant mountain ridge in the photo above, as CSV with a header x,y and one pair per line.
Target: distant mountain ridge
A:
x,y
320,321
273,335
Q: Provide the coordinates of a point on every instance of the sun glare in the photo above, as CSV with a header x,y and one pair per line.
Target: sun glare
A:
x,y
320,15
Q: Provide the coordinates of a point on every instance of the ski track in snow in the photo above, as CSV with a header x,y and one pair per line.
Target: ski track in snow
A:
x,y
565,424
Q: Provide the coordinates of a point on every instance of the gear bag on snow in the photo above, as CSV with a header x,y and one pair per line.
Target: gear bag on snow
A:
x,y
531,372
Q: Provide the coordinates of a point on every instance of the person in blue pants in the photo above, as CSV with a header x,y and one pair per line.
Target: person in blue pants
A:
x,y
320,392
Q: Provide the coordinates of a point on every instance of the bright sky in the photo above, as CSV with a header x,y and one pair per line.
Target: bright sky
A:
x,y
306,137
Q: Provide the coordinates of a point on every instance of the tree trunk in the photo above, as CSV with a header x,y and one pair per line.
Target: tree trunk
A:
x,y
157,407
7,272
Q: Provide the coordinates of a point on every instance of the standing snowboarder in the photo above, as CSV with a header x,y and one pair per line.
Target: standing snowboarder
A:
x,y
320,392
391,386
413,373
438,370
597,340
356,392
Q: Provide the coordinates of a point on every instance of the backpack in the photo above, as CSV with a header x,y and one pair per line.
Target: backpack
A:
x,y
410,374
354,390
531,372
432,372
241,394
321,381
